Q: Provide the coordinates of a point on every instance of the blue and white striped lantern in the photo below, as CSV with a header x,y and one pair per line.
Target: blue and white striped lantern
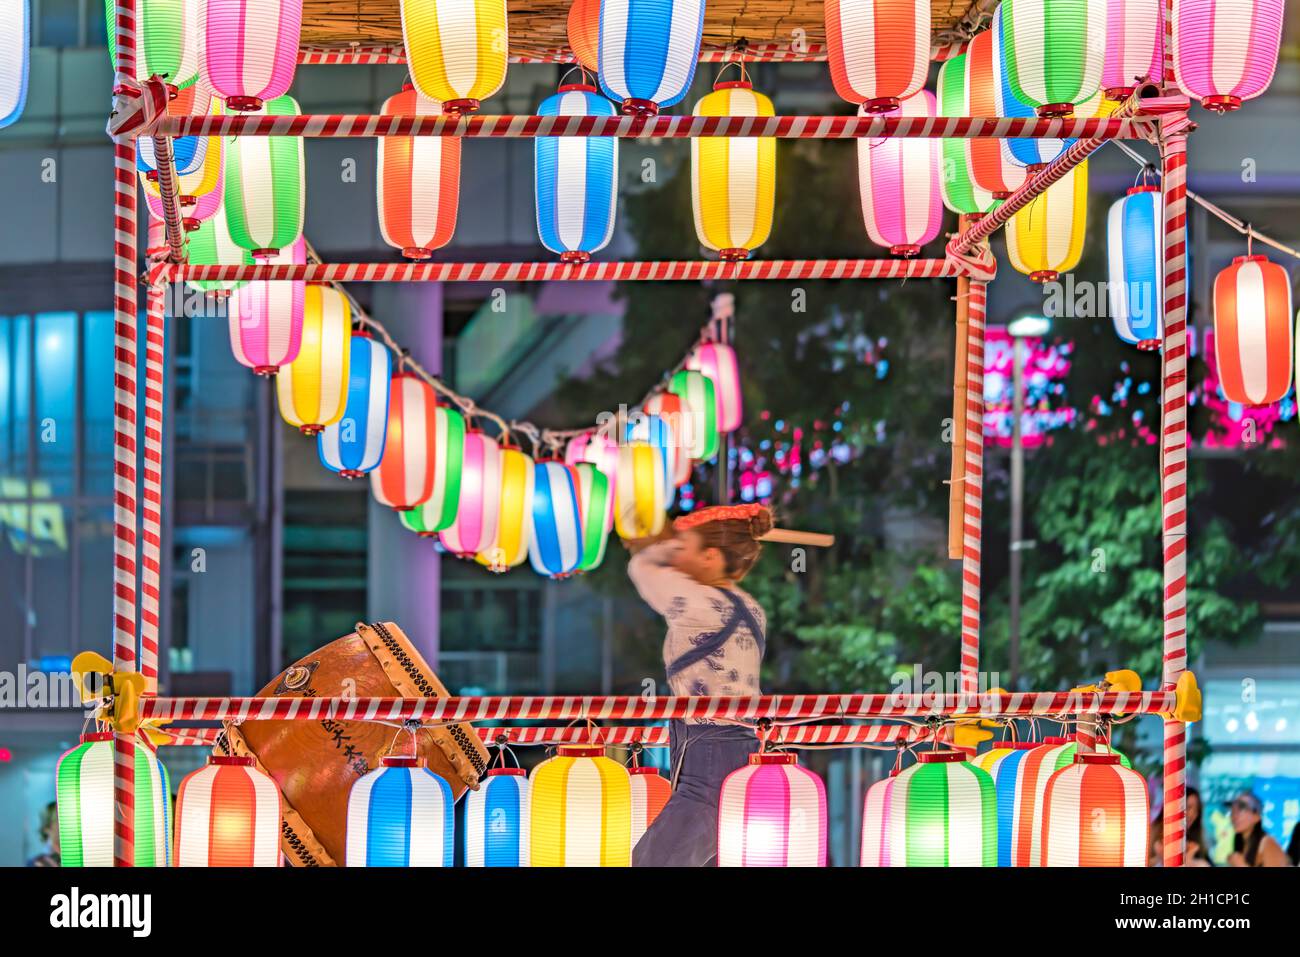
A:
x,y
354,445
496,820
1135,247
576,178
656,431
400,815
647,51
555,542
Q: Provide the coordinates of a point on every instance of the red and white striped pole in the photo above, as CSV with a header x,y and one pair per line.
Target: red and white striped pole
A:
x,y
973,488
151,470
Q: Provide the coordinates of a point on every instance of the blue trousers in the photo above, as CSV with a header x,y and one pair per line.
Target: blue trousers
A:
x,y
685,834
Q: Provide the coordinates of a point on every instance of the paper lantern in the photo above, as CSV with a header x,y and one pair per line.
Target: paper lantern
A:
x,y
718,361
1095,815
1252,330
199,163
648,50
400,815
650,792
957,182
84,789
598,448
354,444
266,317
638,491
875,823
438,511
597,503
772,813
228,815
700,396
1003,764
555,545
313,389
15,59
1135,229
496,820
992,168
418,180
674,412
575,178
942,813
733,178
249,49
1225,51
514,512
1135,46
1053,51
580,810
188,152
655,432
583,28
1045,238
898,182
166,39
879,50
475,527
404,477
211,245
456,49
265,186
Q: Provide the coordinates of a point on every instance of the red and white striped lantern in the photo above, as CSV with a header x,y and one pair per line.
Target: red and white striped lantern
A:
x,y
404,477
266,316
418,181
899,184
228,815
718,361
1252,330
772,813
1095,814
650,792
879,50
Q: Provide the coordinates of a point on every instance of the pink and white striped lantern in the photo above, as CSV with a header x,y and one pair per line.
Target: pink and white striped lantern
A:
x,y
249,49
899,183
475,528
1225,51
1135,46
650,792
600,450
718,361
879,50
405,475
266,316
875,823
228,815
772,813
1252,330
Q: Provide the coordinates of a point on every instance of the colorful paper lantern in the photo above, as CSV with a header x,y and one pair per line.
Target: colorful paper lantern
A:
x,y
188,152
418,180
249,49
456,49
992,170
400,815
648,50
898,182
1045,238
166,39
575,178
1054,51
638,491
1003,765
733,179
655,432
597,503
266,186
650,792
514,512
598,448
875,823
199,163
228,815
438,511
717,360
700,396
211,245
675,413
556,543
580,810
1252,330
942,813
354,444
957,182
15,59
1135,229
475,527
879,50
313,389
1095,815
772,813
84,789
404,477
1225,51
583,27
1135,46
266,317
496,820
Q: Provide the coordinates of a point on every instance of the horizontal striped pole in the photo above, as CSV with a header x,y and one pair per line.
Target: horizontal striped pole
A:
x,y
775,707
659,127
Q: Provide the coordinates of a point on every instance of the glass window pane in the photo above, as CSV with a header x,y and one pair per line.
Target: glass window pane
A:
x,y
60,24
51,607
56,403
97,406
95,572
15,402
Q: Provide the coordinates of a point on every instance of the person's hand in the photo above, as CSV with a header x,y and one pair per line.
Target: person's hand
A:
x,y
635,545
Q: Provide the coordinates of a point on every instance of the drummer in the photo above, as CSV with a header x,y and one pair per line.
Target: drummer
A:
x,y
691,576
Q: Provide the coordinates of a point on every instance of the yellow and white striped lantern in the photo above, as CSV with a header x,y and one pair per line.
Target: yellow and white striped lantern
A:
x,y
639,506
580,810
456,50
313,389
1045,238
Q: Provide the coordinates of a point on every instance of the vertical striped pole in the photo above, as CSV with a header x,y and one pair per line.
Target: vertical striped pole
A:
x,y
973,489
957,466
151,470
124,435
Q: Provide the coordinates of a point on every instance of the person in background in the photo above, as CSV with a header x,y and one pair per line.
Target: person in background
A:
x,y
1293,849
1197,854
49,835
1155,850
1251,846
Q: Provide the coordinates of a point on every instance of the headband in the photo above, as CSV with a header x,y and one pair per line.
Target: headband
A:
x,y
718,513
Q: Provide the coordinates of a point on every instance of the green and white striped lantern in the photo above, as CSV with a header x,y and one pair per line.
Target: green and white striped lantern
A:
x,y
167,39
960,194
211,245
596,499
439,511
84,789
943,813
700,396
266,185
1054,51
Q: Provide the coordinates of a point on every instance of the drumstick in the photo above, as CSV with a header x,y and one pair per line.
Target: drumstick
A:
x,y
789,536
